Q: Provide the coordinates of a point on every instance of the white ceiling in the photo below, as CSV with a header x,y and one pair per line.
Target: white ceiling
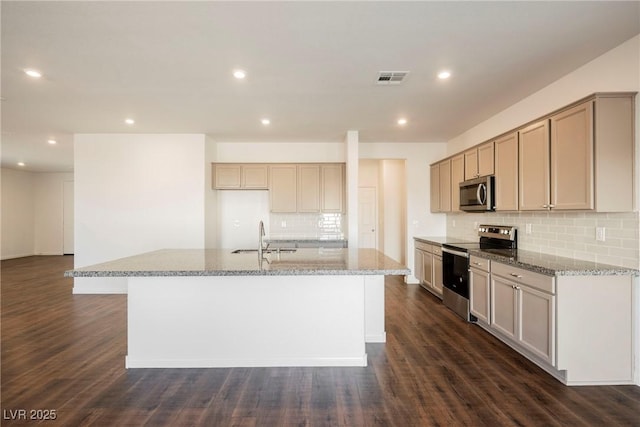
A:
x,y
311,67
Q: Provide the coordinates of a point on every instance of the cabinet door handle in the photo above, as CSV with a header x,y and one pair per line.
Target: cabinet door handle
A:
x,y
477,263
552,206
516,275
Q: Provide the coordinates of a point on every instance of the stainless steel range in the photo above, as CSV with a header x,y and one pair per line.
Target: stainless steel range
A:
x,y
497,239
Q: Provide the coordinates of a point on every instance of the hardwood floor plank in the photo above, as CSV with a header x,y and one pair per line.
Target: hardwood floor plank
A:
x,y
66,352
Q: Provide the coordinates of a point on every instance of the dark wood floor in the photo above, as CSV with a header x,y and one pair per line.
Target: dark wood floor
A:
x,y
66,352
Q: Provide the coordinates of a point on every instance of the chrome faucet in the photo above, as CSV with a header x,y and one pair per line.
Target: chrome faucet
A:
x,y
260,240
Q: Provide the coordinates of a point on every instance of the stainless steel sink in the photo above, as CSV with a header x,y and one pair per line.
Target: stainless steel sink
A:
x,y
266,251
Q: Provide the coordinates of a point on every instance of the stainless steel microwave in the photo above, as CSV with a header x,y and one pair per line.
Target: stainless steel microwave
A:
x,y
477,195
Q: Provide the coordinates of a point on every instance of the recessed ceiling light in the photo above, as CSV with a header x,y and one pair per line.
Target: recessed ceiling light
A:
x,y
239,74
129,121
265,122
33,73
444,75
402,122
21,164
52,141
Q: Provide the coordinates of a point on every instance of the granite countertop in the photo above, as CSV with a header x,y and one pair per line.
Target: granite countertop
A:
x,y
553,265
547,264
221,262
439,240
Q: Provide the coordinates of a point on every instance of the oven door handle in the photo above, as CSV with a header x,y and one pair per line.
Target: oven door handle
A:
x,y
451,251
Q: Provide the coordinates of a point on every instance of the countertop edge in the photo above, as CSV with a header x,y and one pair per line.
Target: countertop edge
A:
x,y
214,273
604,271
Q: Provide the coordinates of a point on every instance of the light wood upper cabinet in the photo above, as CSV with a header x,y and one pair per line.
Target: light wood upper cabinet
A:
x,y
614,152
283,189
435,188
308,188
581,158
534,167
471,164
445,185
255,176
332,188
485,159
478,161
229,176
226,176
572,158
441,187
457,176
506,172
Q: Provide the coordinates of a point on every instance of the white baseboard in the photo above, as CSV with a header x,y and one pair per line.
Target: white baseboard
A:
x,y
132,362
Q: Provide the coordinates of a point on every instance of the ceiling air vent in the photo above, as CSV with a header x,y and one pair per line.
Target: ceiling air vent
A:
x,y
391,77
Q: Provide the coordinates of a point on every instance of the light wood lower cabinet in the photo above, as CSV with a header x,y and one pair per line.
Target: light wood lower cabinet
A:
x,y
437,282
577,328
479,289
523,309
428,267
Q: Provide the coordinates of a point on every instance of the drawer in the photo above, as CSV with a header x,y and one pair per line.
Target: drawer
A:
x,y
526,277
479,263
423,246
436,250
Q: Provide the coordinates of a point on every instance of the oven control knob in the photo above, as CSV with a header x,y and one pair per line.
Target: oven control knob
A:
x,y
460,279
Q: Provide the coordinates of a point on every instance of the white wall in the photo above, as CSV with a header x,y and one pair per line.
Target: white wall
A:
x,y
32,213
283,152
18,202
420,221
134,194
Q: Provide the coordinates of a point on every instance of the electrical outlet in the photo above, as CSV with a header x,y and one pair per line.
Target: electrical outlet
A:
x,y
453,223
600,236
475,225
528,228
283,224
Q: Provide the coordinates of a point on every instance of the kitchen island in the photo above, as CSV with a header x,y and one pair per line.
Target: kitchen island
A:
x,y
214,308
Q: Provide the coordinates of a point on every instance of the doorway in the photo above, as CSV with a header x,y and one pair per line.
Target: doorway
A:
x,y
382,183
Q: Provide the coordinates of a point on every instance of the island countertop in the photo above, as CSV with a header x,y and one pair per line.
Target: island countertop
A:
x,y
222,262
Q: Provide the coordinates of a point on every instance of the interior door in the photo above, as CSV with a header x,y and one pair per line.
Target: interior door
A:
x,y
367,218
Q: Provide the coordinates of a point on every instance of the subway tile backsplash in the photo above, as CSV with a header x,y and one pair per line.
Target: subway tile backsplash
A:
x,y
565,234
326,226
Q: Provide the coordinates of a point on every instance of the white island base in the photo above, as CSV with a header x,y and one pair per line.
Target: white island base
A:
x,y
250,321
